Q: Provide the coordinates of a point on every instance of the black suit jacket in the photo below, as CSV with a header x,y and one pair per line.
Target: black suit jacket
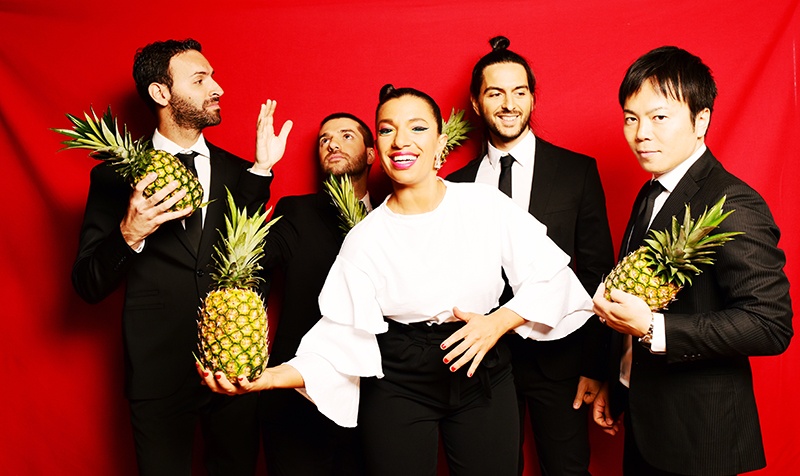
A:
x,y
166,282
567,196
693,410
303,244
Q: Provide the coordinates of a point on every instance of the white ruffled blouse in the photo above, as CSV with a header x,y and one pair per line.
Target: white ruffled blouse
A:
x,y
414,268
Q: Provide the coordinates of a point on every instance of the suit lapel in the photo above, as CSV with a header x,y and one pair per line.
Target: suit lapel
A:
x,y
684,192
545,177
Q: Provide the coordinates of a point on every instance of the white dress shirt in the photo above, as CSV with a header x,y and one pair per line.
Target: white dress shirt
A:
x,y
521,169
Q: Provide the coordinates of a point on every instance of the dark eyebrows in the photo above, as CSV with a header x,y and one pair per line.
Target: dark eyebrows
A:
x,y
499,89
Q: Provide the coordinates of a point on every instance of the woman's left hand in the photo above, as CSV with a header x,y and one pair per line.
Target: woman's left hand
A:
x,y
477,337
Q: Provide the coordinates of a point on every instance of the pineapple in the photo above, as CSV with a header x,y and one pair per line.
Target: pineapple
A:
x,y
351,209
456,129
232,325
664,265
133,159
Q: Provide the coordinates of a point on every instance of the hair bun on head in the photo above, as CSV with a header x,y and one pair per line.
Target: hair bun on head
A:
x,y
385,91
499,43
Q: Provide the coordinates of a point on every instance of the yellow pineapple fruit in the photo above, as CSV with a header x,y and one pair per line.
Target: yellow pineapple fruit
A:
x,y
661,267
232,325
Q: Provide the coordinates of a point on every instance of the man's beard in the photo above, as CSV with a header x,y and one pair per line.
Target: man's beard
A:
x,y
353,168
504,135
189,116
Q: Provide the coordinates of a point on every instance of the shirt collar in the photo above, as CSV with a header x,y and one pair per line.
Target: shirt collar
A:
x,y
670,179
162,143
523,152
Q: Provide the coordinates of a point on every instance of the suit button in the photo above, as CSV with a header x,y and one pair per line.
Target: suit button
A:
x,y
200,273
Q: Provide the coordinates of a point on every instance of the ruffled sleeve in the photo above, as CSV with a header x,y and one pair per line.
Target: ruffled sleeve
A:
x,y
341,347
546,292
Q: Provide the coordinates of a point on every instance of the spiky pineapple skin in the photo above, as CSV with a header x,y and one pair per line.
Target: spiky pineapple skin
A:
x,y
169,169
634,275
233,333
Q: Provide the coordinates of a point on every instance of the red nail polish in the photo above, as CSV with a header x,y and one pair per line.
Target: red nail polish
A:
x,y
469,374
443,346
453,368
218,376
205,374
447,361
240,378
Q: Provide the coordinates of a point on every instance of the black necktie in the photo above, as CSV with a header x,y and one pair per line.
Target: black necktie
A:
x,y
643,217
504,184
193,223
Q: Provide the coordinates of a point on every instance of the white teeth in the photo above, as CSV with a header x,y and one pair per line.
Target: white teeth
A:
x,y
403,158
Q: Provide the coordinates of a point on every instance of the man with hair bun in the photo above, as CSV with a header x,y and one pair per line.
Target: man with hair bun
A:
x,y
562,189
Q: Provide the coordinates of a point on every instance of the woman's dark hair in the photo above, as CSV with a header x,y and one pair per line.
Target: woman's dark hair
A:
x,y
151,65
388,92
499,54
674,72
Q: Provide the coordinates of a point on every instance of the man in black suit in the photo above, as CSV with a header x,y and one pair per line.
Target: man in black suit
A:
x,y
303,244
690,407
561,189
127,237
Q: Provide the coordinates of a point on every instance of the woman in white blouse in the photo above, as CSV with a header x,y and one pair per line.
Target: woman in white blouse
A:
x,y
389,349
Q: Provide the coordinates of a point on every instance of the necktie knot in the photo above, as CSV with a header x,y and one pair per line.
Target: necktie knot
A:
x,y
642,223
187,158
655,190
506,161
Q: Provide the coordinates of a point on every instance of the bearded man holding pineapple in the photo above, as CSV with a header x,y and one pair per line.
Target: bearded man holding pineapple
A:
x,y
686,386
136,238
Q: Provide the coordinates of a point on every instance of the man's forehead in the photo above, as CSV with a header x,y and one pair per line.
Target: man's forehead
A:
x,y
190,62
339,125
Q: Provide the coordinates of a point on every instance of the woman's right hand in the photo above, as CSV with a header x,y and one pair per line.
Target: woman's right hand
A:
x,y
219,383
282,376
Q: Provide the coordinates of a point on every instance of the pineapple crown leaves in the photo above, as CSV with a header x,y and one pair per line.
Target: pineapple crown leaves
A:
x,y
678,253
242,246
456,128
351,209
102,137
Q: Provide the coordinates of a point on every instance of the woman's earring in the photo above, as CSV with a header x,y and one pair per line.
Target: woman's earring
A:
x,y
438,161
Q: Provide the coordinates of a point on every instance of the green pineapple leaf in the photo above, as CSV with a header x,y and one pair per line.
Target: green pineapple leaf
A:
x,y
456,128
343,195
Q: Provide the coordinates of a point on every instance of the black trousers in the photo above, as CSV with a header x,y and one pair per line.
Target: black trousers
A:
x,y
560,432
300,441
164,431
403,415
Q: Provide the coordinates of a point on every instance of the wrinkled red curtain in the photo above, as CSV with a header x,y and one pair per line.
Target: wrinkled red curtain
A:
x,y
63,410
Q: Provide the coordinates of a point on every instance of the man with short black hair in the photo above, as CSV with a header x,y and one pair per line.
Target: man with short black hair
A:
x,y
129,237
686,386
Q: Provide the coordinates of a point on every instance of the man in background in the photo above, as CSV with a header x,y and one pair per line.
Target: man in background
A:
x,y
562,190
303,244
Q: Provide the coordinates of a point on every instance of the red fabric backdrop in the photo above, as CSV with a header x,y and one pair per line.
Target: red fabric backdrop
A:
x,y
63,409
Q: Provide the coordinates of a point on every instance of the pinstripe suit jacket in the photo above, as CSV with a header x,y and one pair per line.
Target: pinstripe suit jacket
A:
x,y
693,410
